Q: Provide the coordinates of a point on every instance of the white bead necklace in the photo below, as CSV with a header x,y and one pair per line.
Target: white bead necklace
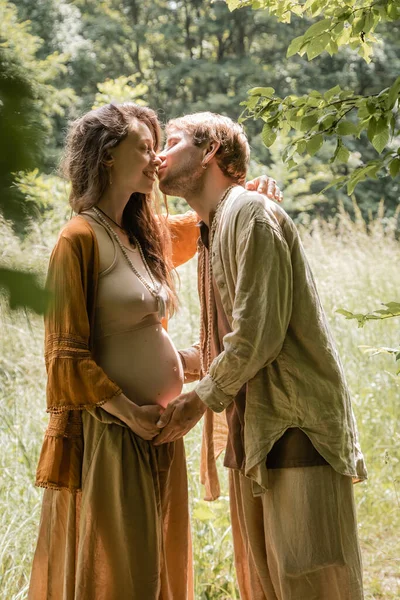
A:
x,y
155,291
205,366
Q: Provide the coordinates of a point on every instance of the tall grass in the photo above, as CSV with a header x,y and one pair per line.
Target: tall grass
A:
x,y
355,269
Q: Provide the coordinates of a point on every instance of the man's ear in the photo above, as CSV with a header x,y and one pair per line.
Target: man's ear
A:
x,y
209,152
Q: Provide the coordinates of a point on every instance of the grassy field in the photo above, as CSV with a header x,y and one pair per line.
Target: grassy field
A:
x,y
354,270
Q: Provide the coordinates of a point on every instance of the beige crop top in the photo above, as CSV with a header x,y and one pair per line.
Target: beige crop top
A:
x,y
123,302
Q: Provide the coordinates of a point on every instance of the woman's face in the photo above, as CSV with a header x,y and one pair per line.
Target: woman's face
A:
x,y
134,161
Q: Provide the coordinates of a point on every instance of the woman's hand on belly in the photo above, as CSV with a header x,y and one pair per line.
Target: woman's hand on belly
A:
x,y
144,420
140,419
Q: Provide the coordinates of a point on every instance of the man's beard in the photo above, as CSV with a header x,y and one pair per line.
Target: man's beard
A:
x,y
183,181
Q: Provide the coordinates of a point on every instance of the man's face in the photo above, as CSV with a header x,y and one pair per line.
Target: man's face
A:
x,y
180,172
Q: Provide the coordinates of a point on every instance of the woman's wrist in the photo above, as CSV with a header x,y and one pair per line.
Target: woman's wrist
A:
x,y
120,406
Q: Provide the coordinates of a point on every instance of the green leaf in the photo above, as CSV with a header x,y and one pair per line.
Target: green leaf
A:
x,y
288,152
365,51
343,154
347,128
301,146
317,28
268,135
261,91
360,318
345,313
314,144
326,121
394,167
317,46
233,4
360,174
372,126
381,139
393,94
369,22
294,46
337,182
344,15
358,25
308,122
332,92
393,308
332,48
251,102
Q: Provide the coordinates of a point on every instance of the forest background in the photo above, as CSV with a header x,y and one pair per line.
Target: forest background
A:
x,y
58,59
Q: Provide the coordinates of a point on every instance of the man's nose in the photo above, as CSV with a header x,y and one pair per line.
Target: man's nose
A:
x,y
162,155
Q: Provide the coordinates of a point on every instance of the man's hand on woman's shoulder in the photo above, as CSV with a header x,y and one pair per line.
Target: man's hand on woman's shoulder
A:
x,y
265,185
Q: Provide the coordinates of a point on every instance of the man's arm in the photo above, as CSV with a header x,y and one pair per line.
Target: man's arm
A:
x,y
261,313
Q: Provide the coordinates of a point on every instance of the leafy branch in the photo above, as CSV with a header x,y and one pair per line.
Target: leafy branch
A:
x,y
345,22
314,118
391,311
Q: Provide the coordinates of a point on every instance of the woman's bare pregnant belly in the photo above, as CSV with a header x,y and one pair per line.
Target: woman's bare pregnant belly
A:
x,y
143,362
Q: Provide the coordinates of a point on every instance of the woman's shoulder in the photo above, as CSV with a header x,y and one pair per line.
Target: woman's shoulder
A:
x,y
78,231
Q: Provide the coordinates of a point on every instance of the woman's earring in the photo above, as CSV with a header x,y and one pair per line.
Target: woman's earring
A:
x,y
109,176
204,165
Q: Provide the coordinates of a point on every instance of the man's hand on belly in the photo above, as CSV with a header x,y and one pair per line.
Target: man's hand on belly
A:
x,y
180,416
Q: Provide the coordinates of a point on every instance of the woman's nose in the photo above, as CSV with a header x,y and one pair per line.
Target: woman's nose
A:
x,y
156,160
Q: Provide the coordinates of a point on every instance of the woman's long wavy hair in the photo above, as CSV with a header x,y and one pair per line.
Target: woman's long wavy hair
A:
x,y
88,142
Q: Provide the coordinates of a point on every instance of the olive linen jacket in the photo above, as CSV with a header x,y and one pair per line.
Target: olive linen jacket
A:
x,y
280,345
75,382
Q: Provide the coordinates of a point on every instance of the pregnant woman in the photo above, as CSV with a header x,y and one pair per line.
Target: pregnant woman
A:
x,y
114,521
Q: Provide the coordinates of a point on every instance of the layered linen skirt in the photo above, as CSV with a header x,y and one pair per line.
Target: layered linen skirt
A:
x,y
126,536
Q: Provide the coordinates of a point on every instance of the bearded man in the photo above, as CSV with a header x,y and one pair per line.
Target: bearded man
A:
x,y
267,361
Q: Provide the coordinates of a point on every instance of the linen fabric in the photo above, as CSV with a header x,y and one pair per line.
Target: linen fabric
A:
x,y
298,540
294,448
280,344
126,535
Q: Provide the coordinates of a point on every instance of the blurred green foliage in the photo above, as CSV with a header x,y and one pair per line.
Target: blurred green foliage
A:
x,y
60,58
30,102
191,55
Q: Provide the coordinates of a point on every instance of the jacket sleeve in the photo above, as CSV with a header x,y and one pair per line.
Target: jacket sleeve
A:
x,y
184,235
190,358
75,381
260,317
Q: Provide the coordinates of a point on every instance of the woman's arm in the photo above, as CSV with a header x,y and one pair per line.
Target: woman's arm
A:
x,y
190,359
75,380
184,235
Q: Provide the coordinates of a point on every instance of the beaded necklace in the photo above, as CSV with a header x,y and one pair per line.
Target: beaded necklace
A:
x,y
205,337
155,291
112,220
